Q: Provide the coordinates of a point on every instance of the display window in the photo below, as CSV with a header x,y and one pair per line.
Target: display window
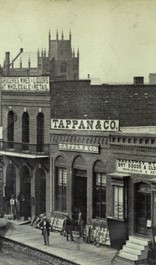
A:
x,y
61,189
99,195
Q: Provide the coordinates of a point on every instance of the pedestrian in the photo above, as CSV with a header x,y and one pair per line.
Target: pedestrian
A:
x,y
80,224
45,226
68,225
13,204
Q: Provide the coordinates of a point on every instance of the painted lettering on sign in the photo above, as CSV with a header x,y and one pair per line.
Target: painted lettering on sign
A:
x,y
39,83
133,166
95,125
79,147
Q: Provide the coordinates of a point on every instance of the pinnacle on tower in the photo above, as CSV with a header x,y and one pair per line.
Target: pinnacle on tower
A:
x,y
70,35
38,53
62,35
29,63
73,53
49,35
42,52
57,36
78,52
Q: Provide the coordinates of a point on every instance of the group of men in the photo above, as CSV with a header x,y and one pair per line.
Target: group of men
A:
x,y
19,207
69,225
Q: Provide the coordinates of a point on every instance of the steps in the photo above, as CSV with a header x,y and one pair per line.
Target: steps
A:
x,y
135,250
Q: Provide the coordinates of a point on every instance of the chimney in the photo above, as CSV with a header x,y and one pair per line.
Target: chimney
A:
x,y
7,62
7,58
138,80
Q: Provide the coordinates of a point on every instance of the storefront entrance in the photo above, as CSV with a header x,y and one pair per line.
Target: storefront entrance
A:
x,y
40,192
143,209
80,193
10,187
25,193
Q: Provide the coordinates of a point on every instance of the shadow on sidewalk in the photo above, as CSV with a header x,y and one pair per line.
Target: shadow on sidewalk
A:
x,y
4,229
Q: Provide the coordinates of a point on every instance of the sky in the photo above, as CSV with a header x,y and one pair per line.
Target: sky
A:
x,y
116,38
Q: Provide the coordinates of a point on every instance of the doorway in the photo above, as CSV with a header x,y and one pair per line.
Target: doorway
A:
x,y
25,193
40,192
80,193
143,209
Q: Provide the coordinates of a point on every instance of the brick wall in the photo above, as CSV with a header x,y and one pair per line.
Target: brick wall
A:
x,y
133,105
33,102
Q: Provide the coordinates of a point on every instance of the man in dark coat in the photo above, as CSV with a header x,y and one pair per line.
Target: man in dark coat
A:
x,y
45,226
68,225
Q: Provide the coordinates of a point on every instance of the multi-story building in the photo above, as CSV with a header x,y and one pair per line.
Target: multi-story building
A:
x,y
69,147
102,157
25,120
25,144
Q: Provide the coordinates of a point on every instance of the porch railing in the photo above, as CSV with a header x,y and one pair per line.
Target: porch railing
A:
x,y
24,148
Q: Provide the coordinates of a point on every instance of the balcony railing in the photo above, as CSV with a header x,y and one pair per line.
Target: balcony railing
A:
x,y
25,148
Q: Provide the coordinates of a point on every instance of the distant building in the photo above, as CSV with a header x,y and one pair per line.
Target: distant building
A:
x,y
60,62
152,78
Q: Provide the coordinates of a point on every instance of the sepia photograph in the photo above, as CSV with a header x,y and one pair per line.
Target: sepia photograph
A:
x,y
78,132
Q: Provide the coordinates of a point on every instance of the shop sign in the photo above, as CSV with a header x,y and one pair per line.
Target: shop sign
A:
x,y
92,125
37,83
134,166
79,148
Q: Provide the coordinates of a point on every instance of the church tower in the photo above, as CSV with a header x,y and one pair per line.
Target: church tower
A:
x,y
64,64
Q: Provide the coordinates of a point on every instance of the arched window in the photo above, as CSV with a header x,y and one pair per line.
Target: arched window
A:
x,y
142,208
10,129
63,68
25,192
25,130
40,192
40,132
60,184
10,187
99,190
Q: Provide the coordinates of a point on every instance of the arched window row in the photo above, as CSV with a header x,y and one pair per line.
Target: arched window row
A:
x,y
79,182
25,130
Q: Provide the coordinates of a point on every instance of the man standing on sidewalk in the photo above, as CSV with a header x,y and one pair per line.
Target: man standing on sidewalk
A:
x,y
45,226
13,204
68,224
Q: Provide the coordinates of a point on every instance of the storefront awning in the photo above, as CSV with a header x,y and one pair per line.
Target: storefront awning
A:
x,y
119,175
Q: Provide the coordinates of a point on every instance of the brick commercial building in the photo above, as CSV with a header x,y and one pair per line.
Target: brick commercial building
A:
x,y
70,147
25,144
102,157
